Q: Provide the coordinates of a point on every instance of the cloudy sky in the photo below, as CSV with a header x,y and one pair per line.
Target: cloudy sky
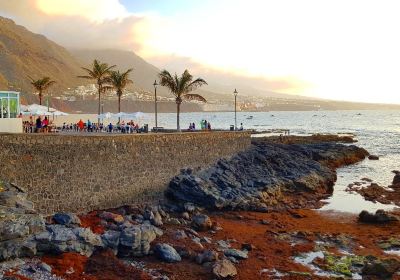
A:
x,y
336,49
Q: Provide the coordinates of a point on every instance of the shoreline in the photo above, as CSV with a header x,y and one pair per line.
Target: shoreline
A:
x,y
256,245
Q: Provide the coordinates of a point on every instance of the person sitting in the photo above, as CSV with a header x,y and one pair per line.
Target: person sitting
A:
x,y
38,124
241,126
110,128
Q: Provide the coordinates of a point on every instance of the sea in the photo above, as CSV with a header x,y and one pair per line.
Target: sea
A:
x,y
376,131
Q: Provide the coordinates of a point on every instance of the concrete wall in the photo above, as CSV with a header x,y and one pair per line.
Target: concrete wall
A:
x,y
12,125
83,173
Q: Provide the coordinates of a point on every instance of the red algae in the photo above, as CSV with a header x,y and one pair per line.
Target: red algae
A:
x,y
70,266
104,265
92,221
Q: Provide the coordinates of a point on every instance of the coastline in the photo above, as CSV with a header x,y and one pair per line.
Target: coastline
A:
x,y
260,245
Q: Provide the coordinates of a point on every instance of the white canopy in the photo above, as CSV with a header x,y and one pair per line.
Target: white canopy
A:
x,y
40,110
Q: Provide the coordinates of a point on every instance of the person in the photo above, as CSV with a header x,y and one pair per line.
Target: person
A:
x,y
205,124
241,126
208,126
110,128
80,125
45,124
38,124
89,126
194,126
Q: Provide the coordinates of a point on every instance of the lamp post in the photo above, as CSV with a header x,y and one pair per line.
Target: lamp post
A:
x,y
235,93
102,108
155,103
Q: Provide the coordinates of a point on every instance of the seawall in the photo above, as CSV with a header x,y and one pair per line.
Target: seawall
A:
x,y
79,173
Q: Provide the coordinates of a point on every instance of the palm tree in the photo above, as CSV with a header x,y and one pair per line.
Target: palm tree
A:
x,y
100,72
41,86
181,87
119,81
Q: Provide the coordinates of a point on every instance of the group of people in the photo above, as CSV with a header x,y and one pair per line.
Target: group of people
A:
x,y
37,126
204,125
119,127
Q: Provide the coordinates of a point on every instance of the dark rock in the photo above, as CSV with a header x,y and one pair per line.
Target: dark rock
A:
x,y
111,217
224,269
396,179
111,239
254,179
380,217
248,247
167,253
66,219
207,256
373,157
201,222
381,268
180,234
237,254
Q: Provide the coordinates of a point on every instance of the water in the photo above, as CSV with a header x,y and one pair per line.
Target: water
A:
x,y
376,131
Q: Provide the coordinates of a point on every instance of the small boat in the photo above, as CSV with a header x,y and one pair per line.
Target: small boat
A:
x,y
249,117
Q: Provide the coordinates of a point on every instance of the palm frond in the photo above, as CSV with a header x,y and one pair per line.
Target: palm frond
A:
x,y
193,96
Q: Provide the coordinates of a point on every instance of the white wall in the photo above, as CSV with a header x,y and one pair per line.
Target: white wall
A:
x,y
11,125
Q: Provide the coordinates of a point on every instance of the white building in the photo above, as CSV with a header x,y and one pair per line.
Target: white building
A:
x,y
10,120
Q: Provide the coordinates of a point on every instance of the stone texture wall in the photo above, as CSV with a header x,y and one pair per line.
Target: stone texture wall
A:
x,y
81,173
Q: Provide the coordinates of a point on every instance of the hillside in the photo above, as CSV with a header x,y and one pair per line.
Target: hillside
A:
x,y
23,54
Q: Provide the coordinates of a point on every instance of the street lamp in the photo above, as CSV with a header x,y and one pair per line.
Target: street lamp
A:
x,y
102,108
235,93
155,102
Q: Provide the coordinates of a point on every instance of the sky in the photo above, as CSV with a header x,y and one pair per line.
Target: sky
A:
x,y
335,49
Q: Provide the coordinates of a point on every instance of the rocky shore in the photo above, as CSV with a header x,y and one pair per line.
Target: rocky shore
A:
x,y
247,217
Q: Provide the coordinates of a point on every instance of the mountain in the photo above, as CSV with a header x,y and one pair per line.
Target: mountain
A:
x,y
23,54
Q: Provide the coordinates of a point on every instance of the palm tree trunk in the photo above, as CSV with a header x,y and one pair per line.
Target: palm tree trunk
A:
x,y
40,98
99,112
178,109
119,103
119,107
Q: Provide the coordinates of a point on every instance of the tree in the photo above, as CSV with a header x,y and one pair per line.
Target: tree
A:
x,y
119,81
41,86
181,87
100,72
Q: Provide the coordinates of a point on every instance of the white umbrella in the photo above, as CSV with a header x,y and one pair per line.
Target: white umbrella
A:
x,y
59,113
138,115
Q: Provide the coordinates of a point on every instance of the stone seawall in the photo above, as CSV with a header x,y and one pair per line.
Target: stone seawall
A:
x,y
81,173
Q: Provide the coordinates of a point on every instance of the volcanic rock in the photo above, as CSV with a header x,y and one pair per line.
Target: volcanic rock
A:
x,y
223,269
380,217
167,253
256,179
201,222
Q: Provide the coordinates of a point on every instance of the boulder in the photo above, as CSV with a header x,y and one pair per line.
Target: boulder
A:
x,y
396,178
237,254
66,219
167,253
111,217
110,239
207,256
381,268
380,217
201,222
224,269
135,240
373,157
